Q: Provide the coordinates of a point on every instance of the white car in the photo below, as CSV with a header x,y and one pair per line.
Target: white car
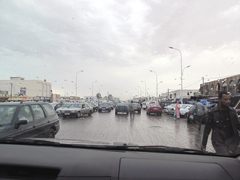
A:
x,y
185,109
61,110
78,110
145,105
169,108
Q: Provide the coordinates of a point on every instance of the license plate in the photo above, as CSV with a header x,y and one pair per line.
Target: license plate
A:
x,y
155,108
67,113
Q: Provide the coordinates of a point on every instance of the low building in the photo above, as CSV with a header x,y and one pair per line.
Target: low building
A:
x,y
17,88
176,94
229,84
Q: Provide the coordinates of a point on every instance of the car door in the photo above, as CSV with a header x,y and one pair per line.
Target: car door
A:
x,y
40,120
25,130
84,109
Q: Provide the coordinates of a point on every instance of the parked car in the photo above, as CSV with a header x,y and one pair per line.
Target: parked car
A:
x,y
170,108
184,109
78,110
62,109
191,114
121,108
145,105
56,106
94,105
28,119
166,108
137,107
112,105
164,104
104,107
154,108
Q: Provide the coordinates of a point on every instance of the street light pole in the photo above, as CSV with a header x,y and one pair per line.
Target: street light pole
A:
x,y
92,86
76,82
156,83
181,71
140,91
145,88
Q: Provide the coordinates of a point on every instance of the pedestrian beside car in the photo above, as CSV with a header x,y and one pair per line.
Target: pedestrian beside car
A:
x,y
131,109
224,123
198,110
177,110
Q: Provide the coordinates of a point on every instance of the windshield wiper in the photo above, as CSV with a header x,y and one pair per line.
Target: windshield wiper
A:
x,y
28,141
161,149
123,146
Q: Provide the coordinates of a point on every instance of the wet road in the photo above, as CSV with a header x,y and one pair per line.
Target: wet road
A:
x,y
142,130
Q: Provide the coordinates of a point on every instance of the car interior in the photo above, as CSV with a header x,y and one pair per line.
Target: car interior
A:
x,y
49,162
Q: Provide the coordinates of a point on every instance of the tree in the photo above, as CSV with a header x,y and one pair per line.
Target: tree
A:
x,y
98,95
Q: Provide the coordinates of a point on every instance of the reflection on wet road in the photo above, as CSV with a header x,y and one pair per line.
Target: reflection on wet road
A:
x,y
141,129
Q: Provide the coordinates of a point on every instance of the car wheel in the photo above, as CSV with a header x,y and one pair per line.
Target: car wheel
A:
x,y
90,113
52,134
127,113
185,115
109,110
99,111
78,114
147,113
160,114
116,112
139,112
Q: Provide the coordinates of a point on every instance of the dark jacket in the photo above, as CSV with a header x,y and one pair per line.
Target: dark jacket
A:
x,y
213,123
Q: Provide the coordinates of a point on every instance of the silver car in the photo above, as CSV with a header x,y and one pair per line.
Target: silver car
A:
x,y
78,110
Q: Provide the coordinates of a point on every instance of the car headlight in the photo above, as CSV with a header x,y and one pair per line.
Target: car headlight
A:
x,y
74,111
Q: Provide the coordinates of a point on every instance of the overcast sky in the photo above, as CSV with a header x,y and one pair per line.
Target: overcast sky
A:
x,y
118,42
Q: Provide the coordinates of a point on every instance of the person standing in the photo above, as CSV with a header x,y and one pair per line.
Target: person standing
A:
x,y
224,123
177,110
131,109
198,109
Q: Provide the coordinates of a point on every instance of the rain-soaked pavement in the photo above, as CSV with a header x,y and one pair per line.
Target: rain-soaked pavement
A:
x,y
141,130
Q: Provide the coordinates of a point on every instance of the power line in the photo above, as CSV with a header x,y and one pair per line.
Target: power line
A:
x,y
193,83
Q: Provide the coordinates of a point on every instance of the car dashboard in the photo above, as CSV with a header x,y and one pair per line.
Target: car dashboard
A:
x,y
54,162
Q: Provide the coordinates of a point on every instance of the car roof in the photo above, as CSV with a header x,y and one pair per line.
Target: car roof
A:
x,y
22,103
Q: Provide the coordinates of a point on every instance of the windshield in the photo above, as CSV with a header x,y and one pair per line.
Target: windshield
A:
x,y
6,114
75,106
107,52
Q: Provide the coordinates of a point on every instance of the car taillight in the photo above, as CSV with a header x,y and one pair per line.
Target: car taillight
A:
x,y
126,107
116,107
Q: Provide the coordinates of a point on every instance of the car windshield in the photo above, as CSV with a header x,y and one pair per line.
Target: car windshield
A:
x,y
66,105
75,106
155,105
101,53
6,114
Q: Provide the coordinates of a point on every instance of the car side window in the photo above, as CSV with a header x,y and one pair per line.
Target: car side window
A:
x,y
38,112
83,106
49,109
87,106
25,114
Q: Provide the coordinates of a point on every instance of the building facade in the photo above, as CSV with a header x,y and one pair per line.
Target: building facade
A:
x,y
18,87
176,94
229,84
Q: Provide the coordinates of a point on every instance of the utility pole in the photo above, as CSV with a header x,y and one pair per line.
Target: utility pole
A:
x,y
11,90
168,93
203,85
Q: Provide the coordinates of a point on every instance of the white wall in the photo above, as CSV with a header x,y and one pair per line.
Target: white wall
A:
x,y
33,87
